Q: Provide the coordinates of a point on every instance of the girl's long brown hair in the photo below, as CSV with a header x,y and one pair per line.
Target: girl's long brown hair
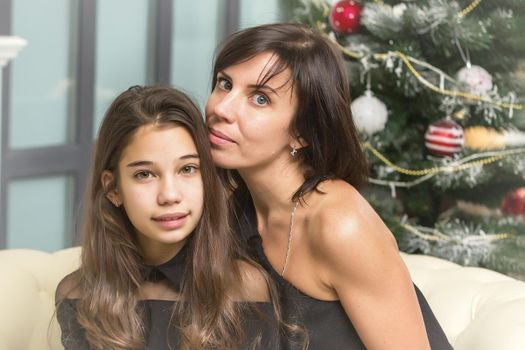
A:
x,y
109,277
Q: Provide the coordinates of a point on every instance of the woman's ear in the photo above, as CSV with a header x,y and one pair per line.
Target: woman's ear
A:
x,y
113,196
302,142
297,142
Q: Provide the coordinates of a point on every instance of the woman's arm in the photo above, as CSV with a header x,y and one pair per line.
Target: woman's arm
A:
x,y
359,260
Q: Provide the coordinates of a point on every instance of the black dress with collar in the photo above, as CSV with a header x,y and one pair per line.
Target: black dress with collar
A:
x,y
257,317
326,322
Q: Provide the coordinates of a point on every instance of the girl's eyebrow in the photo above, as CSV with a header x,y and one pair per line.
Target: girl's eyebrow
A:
x,y
190,156
140,163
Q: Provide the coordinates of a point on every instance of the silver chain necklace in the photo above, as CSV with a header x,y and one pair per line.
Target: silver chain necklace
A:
x,y
290,235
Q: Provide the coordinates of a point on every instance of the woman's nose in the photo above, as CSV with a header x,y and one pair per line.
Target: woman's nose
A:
x,y
226,106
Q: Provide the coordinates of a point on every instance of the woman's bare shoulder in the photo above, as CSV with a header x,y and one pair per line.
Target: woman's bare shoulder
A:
x,y
342,218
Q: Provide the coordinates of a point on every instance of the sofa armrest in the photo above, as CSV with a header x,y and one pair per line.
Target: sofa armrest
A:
x,y
29,279
477,308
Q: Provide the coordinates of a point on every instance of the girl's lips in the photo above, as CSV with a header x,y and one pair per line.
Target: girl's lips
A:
x,y
218,138
171,222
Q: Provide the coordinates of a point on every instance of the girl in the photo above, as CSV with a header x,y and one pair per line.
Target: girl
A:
x,y
160,268
280,124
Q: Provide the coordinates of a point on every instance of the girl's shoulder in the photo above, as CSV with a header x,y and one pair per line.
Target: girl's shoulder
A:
x,y
253,283
69,287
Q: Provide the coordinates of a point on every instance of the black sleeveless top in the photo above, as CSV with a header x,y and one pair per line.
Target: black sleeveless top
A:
x,y
326,322
257,317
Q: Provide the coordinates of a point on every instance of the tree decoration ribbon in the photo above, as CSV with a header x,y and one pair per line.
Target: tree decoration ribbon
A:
x,y
409,61
461,14
431,234
406,59
469,8
459,165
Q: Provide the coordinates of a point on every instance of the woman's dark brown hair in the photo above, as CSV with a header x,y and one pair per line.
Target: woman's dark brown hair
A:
x,y
110,274
318,76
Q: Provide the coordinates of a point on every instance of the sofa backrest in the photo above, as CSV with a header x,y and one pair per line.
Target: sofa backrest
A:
x,y
477,308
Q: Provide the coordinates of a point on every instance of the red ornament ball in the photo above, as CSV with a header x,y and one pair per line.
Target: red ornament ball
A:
x,y
514,202
444,138
345,16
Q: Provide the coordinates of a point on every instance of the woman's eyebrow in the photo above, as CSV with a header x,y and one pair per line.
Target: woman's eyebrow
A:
x,y
255,86
224,75
263,87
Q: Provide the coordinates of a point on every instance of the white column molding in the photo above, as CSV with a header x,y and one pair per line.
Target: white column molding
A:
x,y
9,48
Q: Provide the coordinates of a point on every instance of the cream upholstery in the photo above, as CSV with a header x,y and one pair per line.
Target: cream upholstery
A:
x,y
478,309
29,279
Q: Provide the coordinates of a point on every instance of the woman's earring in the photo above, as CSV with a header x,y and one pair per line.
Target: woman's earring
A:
x,y
293,152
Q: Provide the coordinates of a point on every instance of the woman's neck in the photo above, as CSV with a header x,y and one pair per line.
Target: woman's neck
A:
x,y
272,188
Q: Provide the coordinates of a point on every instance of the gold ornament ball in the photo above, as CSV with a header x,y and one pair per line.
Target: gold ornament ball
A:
x,y
483,138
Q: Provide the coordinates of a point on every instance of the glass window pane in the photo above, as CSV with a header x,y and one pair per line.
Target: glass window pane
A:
x,y
124,50
39,212
43,73
258,12
197,29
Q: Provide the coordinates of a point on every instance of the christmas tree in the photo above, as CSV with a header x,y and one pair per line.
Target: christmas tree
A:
x,y
437,100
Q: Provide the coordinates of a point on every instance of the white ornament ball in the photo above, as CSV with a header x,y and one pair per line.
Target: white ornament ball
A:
x,y
369,113
476,78
399,9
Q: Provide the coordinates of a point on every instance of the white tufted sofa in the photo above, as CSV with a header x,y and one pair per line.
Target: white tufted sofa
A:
x,y
478,309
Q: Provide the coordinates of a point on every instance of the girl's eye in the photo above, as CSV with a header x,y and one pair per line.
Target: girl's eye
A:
x,y
142,175
224,84
260,99
189,169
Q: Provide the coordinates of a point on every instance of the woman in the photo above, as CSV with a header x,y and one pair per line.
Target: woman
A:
x,y
160,268
280,127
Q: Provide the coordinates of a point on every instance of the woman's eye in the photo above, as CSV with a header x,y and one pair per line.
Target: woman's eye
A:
x,y
189,169
224,84
260,100
141,175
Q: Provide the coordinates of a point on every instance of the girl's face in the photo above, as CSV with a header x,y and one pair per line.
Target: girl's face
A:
x,y
160,187
249,124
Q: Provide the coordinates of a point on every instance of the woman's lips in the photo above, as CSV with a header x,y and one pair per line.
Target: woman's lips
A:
x,y
218,138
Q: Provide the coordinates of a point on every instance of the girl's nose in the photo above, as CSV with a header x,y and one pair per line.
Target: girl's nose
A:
x,y
169,192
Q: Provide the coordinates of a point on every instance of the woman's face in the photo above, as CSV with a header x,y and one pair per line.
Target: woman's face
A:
x,y
160,187
249,125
